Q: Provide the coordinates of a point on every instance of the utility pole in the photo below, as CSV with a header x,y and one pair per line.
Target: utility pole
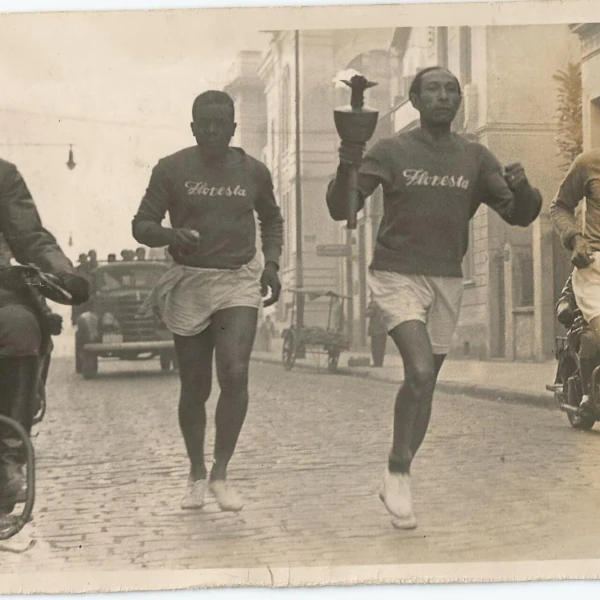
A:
x,y
350,284
299,264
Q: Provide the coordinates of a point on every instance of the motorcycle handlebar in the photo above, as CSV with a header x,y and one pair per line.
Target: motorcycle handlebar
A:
x,y
46,284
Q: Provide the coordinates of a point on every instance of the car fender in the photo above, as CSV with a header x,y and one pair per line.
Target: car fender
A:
x,y
88,322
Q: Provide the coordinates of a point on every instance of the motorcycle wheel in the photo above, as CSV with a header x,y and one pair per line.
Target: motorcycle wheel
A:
x,y
574,393
581,422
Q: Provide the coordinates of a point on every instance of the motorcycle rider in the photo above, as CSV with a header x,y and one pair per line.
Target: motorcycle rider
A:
x,y
52,325
582,181
21,324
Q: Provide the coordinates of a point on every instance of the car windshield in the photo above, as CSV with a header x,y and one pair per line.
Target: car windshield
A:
x,y
127,276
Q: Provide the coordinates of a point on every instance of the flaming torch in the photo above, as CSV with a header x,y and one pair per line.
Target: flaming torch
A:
x,y
355,123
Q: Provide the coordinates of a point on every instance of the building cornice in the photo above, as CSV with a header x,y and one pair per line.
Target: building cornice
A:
x,y
585,29
589,35
517,128
244,83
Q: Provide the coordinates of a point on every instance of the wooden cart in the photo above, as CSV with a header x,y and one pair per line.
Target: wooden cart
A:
x,y
330,340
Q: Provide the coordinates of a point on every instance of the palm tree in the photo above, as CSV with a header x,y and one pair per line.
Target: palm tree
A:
x,y
569,136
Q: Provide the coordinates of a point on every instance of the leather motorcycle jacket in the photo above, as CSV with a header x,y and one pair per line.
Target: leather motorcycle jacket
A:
x,y
28,240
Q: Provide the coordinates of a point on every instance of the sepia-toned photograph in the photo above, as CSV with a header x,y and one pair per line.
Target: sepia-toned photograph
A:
x,y
299,296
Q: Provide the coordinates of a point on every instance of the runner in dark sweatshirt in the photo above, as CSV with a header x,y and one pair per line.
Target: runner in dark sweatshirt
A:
x,y
209,299
433,182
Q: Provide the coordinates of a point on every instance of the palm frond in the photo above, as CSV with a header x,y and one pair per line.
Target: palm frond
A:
x,y
569,113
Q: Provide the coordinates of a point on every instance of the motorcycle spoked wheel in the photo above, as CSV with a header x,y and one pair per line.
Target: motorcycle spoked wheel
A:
x,y
11,524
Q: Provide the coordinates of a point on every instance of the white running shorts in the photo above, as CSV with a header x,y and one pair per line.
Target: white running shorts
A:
x,y
586,287
185,298
434,301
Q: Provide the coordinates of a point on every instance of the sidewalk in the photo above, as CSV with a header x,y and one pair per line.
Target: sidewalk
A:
x,y
505,381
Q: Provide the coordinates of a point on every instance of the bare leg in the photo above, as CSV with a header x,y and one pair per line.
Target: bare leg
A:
x,y
413,401
424,415
194,356
234,330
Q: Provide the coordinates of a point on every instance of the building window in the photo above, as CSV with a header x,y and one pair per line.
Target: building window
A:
x,y
290,232
524,279
286,99
272,132
468,266
465,55
284,204
442,46
595,122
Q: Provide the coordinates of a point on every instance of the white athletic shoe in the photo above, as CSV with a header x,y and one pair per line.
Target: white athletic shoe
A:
x,y
194,494
395,495
227,498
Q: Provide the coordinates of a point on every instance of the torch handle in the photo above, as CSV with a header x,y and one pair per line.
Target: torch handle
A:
x,y
352,206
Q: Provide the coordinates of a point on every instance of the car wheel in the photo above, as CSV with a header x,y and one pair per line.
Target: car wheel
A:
x,y
89,365
78,352
165,362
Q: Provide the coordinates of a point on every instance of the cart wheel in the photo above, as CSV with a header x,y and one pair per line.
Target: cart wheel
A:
x,y
288,354
11,524
333,360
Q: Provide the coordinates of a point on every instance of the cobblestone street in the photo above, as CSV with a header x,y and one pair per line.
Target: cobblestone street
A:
x,y
493,481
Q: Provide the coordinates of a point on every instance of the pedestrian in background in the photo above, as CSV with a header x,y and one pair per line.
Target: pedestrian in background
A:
x,y
83,268
267,333
92,259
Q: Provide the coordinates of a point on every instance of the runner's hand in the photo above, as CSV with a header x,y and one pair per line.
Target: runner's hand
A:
x,y
582,252
515,176
351,154
186,240
270,280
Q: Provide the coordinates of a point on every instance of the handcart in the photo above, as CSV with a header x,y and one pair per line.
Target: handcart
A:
x,y
330,340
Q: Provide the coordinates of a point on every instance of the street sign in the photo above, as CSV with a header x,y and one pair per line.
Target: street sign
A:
x,y
333,250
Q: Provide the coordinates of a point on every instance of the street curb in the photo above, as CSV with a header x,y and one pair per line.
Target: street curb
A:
x,y
546,401
495,394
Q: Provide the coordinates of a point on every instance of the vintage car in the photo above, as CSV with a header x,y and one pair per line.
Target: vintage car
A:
x,y
111,325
